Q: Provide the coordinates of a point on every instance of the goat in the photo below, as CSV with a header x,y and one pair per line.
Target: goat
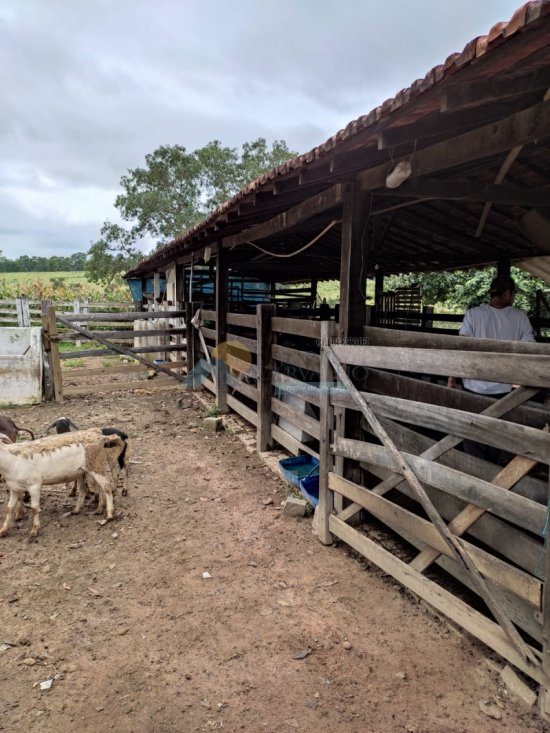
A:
x,y
65,425
9,429
85,454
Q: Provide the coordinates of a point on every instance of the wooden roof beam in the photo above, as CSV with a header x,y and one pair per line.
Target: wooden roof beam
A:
x,y
495,88
497,137
450,123
296,215
424,188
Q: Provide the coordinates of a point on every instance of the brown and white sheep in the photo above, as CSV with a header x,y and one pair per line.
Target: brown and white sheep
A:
x,y
87,454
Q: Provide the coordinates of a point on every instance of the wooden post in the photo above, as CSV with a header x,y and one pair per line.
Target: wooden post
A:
x,y
156,291
264,336
326,422
353,282
54,353
220,366
378,293
544,693
46,350
76,309
23,312
194,380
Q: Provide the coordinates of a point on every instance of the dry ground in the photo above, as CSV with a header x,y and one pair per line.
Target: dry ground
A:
x,y
137,640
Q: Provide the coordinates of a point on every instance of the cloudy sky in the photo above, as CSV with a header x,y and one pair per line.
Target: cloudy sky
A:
x,y
89,87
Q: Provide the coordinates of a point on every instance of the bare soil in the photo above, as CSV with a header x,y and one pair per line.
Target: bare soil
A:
x,y
285,634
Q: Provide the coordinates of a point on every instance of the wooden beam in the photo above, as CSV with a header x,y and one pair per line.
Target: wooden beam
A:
x,y
471,191
505,479
448,124
496,87
504,168
326,420
220,367
531,370
498,137
288,219
264,338
504,435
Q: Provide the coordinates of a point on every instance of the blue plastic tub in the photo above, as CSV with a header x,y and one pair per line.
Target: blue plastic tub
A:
x,y
300,467
309,487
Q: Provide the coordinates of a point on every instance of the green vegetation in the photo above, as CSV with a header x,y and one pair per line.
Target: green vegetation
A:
x,y
74,363
60,286
171,193
25,264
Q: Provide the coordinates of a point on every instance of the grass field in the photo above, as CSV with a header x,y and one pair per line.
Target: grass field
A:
x,y
69,278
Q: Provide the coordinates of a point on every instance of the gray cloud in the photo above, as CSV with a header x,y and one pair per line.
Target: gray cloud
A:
x,y
88,88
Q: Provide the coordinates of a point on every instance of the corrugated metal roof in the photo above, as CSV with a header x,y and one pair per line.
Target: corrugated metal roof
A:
x,y
479,47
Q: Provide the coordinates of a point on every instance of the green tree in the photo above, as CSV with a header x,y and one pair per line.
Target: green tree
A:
x,y
461,289
172,192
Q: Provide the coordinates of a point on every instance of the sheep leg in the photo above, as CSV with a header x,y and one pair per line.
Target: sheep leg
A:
x,y
19,509
105,494
126,476
81,484
12,503
34,491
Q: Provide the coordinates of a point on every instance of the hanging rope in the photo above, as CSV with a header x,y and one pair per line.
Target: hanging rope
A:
x,y
309,244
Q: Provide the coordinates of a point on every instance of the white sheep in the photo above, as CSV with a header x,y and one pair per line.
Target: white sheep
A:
x,y
53,460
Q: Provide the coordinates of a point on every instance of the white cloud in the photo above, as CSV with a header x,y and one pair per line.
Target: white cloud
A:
x,y
88,88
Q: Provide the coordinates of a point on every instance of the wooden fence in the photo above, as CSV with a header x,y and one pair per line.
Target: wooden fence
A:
x,y
110,333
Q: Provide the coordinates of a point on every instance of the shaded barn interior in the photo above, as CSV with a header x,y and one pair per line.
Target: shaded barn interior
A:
x,y
453,172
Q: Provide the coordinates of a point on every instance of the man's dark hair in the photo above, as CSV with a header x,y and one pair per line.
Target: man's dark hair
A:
x,y
501,284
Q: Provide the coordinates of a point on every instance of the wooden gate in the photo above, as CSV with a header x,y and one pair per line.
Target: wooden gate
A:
x,y
109,333
484,524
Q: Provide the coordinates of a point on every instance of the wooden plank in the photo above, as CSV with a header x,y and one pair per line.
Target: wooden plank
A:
x,y
124,335
250,344
238,385
150,386
497,86
207,315
512,507
326,423
69,318
292,217
517,581
57,376
475,623
544,696
297,327
532,370
455,544
299,419
302,359
503,170
220,366
520,612
484,142
244,411
505,479
420,340
265,313
396,385
517,439
309,392
291,444
241,319
46,344
124,369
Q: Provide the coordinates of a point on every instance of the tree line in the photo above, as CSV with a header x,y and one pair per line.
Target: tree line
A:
x,y
73,263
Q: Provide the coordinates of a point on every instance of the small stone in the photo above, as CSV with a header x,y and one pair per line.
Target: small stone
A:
x,y
490,709
29,661
213,424
294,507
347,644
268,501
114,535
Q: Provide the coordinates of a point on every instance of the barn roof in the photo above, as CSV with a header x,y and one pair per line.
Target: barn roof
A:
x,y
475,131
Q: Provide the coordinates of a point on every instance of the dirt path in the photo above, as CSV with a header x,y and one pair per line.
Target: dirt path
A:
x,y
137,640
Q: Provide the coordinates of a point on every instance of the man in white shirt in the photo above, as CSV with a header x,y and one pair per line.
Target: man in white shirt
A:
x,y
495,320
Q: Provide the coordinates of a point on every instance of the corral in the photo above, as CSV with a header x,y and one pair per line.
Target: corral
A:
x,y
135,639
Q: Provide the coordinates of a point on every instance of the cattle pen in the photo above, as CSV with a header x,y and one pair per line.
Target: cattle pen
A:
x,y
450,173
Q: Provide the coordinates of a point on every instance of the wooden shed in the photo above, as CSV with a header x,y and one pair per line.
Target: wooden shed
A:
x,y
452,172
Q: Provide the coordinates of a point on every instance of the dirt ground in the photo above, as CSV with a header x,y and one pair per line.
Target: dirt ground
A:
x,y
283,634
